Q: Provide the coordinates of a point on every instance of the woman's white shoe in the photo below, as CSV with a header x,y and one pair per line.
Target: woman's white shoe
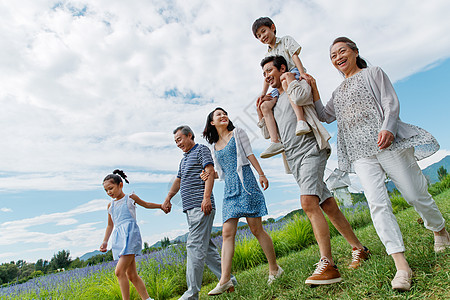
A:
x,y
220,289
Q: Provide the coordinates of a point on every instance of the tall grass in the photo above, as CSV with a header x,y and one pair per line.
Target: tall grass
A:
x,y
164,271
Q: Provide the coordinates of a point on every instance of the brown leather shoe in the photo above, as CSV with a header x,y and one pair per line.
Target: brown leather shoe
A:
x,y
358,255
325,273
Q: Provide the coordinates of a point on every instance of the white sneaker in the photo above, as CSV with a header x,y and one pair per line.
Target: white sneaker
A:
x,y
302,128
402,280
273,149
272,278
441,242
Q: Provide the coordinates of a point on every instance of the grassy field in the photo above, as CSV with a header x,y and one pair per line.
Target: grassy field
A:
x,y
164,271
372,281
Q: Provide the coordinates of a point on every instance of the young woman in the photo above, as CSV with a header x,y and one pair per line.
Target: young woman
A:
x,y
232,156
373,142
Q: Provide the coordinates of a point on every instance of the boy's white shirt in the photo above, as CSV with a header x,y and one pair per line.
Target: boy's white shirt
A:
x,y
285,46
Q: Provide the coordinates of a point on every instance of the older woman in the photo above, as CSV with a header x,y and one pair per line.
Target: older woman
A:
x,y
232,156
373,142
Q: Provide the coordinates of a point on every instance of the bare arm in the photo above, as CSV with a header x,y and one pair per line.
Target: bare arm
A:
x,y
262,178
298,64
315,91
109,229
143,203
204,175
209,183
167,206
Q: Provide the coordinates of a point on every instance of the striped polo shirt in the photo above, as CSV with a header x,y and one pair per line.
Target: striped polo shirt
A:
x,y
192,187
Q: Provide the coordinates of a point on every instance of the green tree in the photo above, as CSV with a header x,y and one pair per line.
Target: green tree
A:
x,y
60,260
8,272
41,265
165,242
442,172
76,263
146,248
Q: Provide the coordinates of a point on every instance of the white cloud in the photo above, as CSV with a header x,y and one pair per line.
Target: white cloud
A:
x,y
5,209
94,84
23,231
89,86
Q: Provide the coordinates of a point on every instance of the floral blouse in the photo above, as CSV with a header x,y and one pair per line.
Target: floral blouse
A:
x,y
359,120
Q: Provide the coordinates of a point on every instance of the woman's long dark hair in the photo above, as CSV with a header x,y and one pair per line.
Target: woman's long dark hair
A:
x,y
210,132
361,63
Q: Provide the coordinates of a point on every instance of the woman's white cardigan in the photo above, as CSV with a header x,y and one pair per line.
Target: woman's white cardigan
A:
x,y
243,150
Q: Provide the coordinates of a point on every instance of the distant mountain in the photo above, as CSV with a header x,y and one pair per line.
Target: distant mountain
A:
x,y
183,238
430,172
90,254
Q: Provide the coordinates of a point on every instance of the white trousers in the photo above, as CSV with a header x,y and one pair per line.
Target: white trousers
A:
x,y
403,170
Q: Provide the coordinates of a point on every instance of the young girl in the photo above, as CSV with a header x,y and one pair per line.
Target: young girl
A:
x,y
126,238
232,156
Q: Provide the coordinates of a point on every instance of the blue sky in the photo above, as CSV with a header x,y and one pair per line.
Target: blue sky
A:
x,y
88,87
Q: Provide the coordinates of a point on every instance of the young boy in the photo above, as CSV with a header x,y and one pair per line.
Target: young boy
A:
x,y
264,30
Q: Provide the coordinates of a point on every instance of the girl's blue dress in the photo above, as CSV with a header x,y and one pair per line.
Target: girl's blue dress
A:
x,y
238,202
126,237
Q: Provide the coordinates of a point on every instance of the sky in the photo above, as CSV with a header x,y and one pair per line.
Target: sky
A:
x,y
90,86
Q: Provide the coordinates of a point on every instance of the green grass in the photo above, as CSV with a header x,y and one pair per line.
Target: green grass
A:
x,y
372,281
295,246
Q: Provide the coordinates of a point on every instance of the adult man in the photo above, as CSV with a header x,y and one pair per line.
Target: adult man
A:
x,y
198,204
306,156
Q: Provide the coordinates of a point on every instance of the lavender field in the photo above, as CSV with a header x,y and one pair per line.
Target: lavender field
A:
x,y
164,271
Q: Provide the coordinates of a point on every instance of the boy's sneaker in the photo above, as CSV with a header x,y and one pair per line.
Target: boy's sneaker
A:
x,y
302,128
273,149
358,255
441,242
402,280
325,273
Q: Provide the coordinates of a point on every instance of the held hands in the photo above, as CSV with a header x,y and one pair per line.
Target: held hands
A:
x,y
264,182
385,139
166,206
103,246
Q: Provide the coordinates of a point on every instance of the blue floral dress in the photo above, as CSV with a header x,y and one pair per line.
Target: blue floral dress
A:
x,y
237,201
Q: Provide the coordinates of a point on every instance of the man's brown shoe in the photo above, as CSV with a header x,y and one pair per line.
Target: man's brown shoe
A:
x,y
325,273
358,255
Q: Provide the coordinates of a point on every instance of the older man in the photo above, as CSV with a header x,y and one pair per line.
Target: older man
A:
x,y
306,157
198,204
